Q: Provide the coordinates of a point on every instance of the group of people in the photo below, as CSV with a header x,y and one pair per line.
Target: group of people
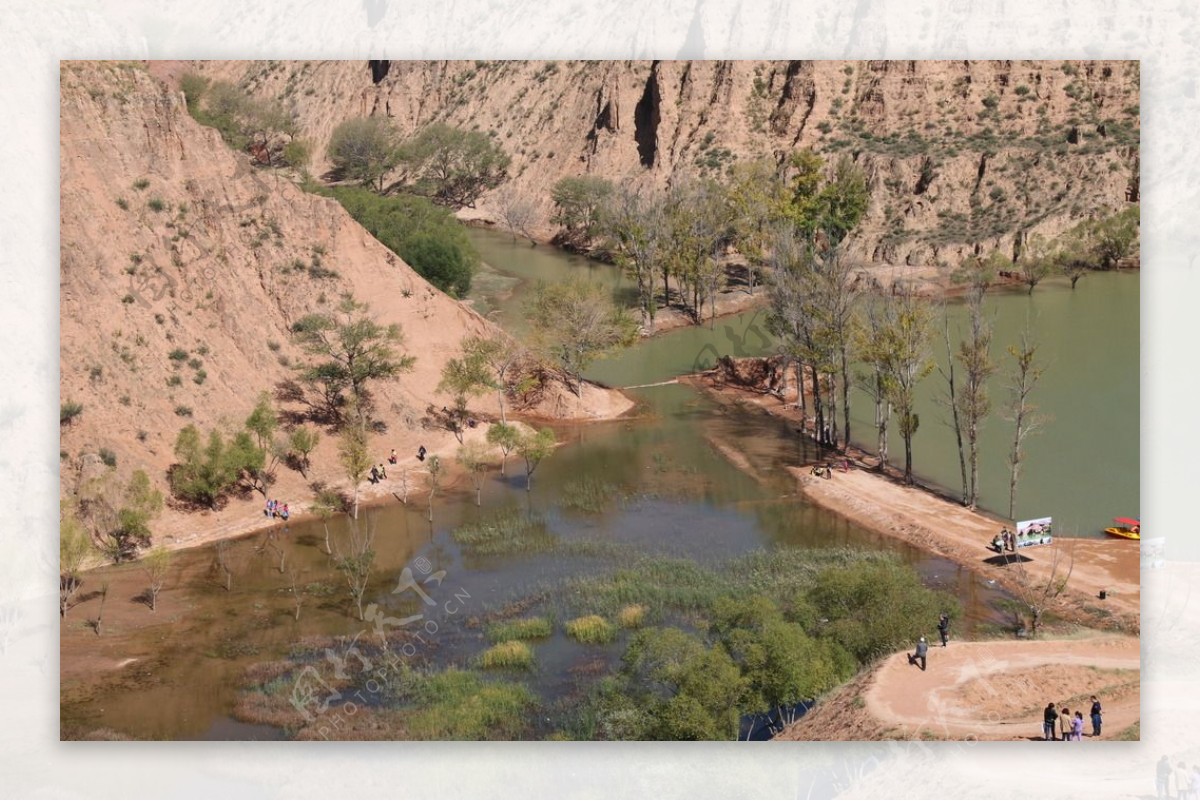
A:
x,y
1187,782
1004,541
274,508
1069,725
919,656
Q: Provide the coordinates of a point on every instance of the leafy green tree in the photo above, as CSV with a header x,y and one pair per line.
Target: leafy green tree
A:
x,y
905,346
843,201
781,664
74,549
973,403
533,447
463,376
453,166
1036,261
875,607
505,437
634,227
119,515
351,351
204,472
578,208
355,458
473,457
364,150
689,691
1113,238
156,565
758,198
302,442
576,322
502,355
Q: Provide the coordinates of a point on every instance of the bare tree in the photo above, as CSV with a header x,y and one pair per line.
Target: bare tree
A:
x,y
297,594
357,559
98,623
473,457
74,548
327,504
221,562
1037,595
155,565
517,213
974,354
951,400
1022,379
435,477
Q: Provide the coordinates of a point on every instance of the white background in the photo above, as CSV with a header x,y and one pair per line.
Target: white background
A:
x,y
37,33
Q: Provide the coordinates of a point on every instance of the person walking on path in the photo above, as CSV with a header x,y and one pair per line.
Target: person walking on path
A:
x,y
920,654
1096,720
1162,777
944,628
1049,719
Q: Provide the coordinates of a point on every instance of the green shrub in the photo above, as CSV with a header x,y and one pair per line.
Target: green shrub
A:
x,y
178,355
195,363
591,630
199,377
174,381
458,705
509,655
426,236
531,628
156,204
141,183
123,204
68,411
108,457
183,411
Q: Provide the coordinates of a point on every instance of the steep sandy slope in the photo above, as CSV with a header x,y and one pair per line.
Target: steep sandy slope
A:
x,y
171,241
957,152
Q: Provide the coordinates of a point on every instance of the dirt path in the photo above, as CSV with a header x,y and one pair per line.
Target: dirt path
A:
x,y
949,530
984,691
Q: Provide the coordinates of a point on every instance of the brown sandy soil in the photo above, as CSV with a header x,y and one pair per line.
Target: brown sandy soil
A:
x,y
213,272
983,691
940,526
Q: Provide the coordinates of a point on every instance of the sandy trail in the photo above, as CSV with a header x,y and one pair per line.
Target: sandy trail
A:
x,y
996,690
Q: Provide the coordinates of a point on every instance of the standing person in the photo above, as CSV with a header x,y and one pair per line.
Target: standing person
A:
x,y
920,654
1194,781
1049,718
1064,723
382,471
1182,784
1077,727
392,457
284,513
944,628
1096,720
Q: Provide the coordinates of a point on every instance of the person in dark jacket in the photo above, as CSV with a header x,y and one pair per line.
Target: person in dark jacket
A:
x,y
1049,720
920,654
944,628
1096,721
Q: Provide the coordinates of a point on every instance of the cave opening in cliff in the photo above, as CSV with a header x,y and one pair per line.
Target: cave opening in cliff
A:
x,y
379,70
646,119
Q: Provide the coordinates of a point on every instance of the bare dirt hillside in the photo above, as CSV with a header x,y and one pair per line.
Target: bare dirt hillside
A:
x,y
173,244
959,154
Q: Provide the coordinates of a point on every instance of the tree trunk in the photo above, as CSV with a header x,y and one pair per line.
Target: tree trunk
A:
x,y
845,399
908,476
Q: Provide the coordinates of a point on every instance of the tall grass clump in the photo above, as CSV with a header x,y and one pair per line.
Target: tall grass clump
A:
x,y
588,494
591,630
529,628
510,655
509,531
632,616
459,705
